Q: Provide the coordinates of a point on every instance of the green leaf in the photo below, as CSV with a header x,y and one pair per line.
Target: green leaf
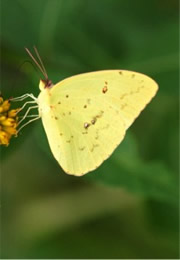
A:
x,y
127,170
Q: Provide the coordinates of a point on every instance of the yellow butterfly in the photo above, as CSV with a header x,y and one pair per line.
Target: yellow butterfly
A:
x,y
86,116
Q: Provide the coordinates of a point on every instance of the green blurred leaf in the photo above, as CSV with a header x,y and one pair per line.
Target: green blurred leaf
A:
x,y
126,169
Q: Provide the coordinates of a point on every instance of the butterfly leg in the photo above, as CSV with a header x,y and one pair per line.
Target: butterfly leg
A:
x,y
29,116
27,123
21,98
27,112
28,102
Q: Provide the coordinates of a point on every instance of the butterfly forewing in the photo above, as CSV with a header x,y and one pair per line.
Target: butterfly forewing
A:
x,y
90,113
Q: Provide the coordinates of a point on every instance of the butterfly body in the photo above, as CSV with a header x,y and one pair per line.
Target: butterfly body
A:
x,y
86,116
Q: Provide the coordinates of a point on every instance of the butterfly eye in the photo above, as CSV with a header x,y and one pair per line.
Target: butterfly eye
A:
x,y
49,84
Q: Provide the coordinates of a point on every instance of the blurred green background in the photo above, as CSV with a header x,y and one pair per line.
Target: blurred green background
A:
x,y
128,208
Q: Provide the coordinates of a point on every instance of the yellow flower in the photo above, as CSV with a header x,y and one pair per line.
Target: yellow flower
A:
x,y
10,130
4,138
8,122
5,106
2,118
13,113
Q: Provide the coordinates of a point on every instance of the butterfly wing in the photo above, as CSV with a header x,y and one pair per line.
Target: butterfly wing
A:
x,y
90,113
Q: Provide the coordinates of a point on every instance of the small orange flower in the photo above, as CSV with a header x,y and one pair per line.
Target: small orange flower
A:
x,y
13,113
5,106
8,122
4,138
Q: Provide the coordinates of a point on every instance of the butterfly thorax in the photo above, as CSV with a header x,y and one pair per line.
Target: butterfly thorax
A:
x,y
44,100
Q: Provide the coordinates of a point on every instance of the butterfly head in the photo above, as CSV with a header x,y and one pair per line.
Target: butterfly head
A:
x,y
43,84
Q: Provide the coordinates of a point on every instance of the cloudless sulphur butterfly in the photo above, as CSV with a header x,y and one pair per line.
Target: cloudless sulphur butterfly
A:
x,y
85,117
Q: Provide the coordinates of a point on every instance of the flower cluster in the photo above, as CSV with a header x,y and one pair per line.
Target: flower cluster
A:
x,y
8,122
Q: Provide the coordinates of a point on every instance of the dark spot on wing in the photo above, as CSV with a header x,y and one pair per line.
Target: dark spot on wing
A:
x,y
81,148
67,96
120,73
85,106
105,89
123,106
123,95
100,114
56,117
86,125
135,91
93,147
93,121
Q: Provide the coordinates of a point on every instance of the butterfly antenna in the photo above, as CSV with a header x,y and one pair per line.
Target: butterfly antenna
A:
x,y
42,64
38,65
